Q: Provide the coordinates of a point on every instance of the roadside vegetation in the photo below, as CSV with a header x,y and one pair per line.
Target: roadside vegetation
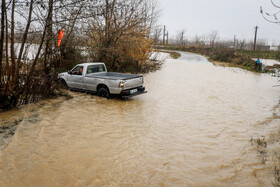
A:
x,y
237,52
275,55
117,32
222,56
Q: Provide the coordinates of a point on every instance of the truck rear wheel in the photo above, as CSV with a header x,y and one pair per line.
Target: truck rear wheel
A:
x,y
103,92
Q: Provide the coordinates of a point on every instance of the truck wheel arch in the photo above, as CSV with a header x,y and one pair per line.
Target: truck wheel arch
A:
x,y
102,86
103,91
63,82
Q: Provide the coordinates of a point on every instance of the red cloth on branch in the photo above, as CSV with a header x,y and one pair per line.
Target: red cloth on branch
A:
x,y
59,37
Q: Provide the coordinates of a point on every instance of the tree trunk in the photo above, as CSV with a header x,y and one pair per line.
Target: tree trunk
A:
x,y
49,34
8,71
22,43
13,41
29,75
2,38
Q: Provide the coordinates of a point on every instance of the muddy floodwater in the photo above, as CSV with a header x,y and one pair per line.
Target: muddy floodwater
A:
x,y
192,128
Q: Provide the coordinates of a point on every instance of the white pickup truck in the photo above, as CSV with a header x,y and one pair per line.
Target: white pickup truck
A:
x,y
93,77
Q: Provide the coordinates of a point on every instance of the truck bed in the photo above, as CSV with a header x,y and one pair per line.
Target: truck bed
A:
x,y
113,76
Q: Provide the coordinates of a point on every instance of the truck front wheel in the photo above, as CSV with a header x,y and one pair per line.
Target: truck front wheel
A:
x,y
103,92
63,83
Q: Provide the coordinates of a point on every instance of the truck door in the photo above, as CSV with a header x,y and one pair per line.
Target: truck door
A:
x,y
91,83
75,79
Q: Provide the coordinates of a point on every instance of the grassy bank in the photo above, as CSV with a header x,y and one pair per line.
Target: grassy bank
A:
x,y
173,54
275,55
220,56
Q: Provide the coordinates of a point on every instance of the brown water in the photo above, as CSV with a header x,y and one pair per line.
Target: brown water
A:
x,y
193,128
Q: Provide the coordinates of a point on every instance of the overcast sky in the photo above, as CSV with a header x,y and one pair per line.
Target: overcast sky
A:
x,y
228,17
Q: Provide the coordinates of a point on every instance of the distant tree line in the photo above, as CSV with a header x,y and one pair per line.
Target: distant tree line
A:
x,y
213,40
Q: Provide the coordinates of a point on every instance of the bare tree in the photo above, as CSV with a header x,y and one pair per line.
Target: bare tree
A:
x,y
200,40
213,35
121,33
241,44
157,34
30,24
2,37
224,44
180,37
24,38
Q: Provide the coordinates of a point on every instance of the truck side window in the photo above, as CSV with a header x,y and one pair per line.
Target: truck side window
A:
x,y
101,68
77,70
95,69
90,69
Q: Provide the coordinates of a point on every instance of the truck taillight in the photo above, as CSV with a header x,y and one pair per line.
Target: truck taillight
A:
x,y
121,84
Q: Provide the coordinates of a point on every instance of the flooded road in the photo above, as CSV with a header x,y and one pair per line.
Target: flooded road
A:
x,y
192,128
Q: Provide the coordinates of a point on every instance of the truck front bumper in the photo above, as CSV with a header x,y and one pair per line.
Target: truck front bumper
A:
x,y
133,92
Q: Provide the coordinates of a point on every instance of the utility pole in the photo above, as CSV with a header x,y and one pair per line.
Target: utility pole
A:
x,y
165,34
182,38
163,41
255,40
167,38
234,41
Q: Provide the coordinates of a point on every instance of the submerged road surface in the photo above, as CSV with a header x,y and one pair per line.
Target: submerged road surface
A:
x,y
192,128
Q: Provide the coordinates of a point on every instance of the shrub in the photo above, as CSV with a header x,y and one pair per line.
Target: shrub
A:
x,y
223,55
277,56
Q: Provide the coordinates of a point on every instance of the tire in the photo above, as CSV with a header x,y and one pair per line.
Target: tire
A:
x,y
103,92
63,84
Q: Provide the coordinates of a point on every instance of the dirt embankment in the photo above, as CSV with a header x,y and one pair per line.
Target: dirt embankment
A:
x,y
27,114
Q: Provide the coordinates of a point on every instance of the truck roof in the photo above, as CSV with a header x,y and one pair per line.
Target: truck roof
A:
x,y
91,63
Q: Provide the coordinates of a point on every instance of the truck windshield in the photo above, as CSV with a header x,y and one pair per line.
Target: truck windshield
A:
x,y
78,70
95,68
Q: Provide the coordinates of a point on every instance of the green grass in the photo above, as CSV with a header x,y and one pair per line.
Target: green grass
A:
x,y
262,54
173,54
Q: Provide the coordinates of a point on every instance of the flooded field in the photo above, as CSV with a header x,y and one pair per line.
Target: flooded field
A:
x,y
192,128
